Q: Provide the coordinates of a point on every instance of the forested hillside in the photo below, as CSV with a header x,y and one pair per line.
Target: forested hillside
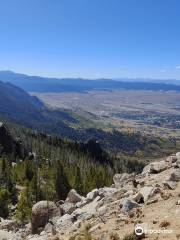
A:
x,y
50,169
51,166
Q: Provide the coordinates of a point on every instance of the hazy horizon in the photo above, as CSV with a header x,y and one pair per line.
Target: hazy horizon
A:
x,y
71,77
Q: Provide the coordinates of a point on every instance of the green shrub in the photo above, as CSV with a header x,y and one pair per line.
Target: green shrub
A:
x,y
24,207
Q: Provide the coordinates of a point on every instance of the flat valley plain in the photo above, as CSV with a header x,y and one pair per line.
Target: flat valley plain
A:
x,y
154,112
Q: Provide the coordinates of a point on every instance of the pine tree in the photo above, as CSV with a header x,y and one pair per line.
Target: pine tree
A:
x,y
8,182
29,170
62,185
4,197
78,185
4,170
12,190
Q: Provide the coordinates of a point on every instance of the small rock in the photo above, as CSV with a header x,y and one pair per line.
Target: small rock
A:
x,y
178,155
170,184
92,195
155,200
95,228
166,195
175,175
172,159
102,210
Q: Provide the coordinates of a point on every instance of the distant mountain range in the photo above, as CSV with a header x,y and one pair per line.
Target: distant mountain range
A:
x,y
19,107
42,84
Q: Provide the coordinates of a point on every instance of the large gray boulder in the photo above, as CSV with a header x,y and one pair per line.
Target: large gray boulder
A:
x,y
74,197
155,167
68,207
145,194
128,204
121,179
41,213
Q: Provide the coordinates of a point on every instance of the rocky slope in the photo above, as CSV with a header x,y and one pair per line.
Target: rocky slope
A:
x,y
148,203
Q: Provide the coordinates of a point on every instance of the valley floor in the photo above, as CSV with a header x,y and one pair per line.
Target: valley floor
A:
x,y
155,112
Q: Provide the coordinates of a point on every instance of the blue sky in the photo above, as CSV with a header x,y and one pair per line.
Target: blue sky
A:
x,y
91,38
